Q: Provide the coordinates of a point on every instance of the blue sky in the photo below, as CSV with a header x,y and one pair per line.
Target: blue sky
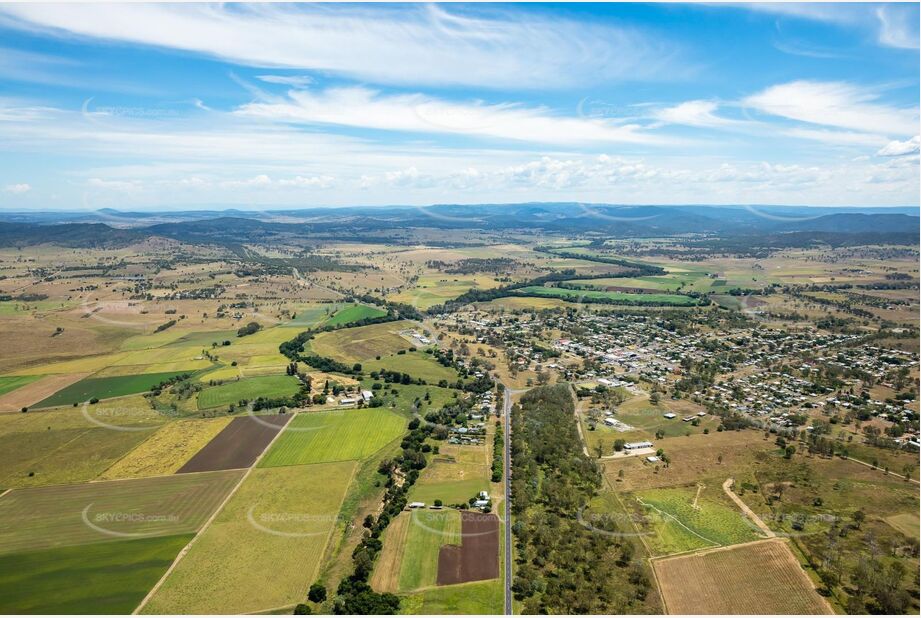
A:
x,y
191,105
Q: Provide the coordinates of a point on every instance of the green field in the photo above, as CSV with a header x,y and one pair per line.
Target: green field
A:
x,y
265,547
678,525
473,598
204,338
427,532
339,435
66,515
416,364
249,389
449,492
104,388
582,295
353,313
11,383
102,578
408,395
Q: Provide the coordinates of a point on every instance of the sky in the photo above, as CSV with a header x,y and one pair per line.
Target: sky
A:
x,y
171,106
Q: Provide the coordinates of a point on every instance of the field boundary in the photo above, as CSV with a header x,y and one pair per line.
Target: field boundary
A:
x,y
727,487
185,550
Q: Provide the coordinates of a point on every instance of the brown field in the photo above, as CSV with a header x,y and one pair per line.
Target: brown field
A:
x,y
238,445
41,389
755,578
477,557
693,457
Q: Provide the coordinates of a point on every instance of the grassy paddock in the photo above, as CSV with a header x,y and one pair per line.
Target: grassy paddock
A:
x,y
247,388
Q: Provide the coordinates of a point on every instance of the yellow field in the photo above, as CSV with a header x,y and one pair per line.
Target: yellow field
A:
x,y
351,345
167,450
265,547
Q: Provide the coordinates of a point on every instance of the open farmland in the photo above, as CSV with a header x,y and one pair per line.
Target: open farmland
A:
x,y
105,388
413,541
339,435
11,383
756,578
168,449
238,444
416,364
113,576
353,345
28,394
265,547
248,389
64,515
484,597
353,313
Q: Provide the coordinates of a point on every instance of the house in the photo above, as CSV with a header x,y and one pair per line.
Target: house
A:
x,y
348,401
367,395
669,415
610,422
484,495
416,505
652,459
632,445
481,504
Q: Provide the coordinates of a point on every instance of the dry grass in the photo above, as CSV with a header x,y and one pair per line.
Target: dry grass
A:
x,y
41,389
755,578
167,450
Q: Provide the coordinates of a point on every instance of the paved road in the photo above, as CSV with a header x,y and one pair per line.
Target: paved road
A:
x,y
507,413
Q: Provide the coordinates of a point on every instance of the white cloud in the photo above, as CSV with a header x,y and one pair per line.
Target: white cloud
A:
x,y
487,47
695,114
898,149
18,189
835,104
842,138
898,26
297,81
366,108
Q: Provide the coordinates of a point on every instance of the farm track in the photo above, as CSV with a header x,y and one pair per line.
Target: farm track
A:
x,y
727,487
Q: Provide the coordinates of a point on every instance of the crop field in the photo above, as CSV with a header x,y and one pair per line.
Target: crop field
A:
x,y
27,395
413,541
166,450
353,345
339,435
105,388
249,389
238,444
435,289
113,576
353,313
416,364
11,383
681,520
66,515
757,578
676,300
473,598
265,547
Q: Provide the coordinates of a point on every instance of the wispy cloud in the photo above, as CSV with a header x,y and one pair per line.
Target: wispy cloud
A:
x,y
899,149
834,104
485,47
18,188
696,114
371,109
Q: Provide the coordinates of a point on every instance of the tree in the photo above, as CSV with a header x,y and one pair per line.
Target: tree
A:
x,y
619,445
789,451
858,517
317,593
719,459
302,609
654,398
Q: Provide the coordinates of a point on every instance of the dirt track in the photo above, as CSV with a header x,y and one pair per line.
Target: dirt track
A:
x,y
237,445
477,558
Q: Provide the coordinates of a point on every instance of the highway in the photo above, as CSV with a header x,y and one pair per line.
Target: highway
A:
x,y
507,413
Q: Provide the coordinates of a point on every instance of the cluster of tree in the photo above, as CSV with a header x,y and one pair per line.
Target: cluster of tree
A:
x,y
355,595
474,265
498,453
249,329
637,269
565,565
156,390
396,377
164,326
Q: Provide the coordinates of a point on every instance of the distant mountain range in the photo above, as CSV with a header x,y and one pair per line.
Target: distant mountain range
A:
x,y
113,227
